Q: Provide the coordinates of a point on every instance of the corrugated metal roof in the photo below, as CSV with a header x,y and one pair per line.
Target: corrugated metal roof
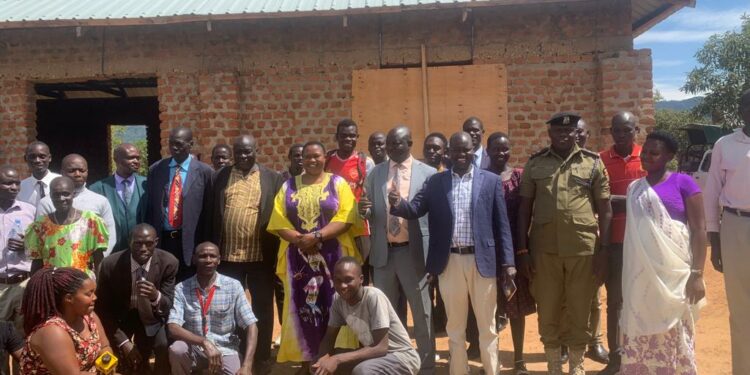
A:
x,y
51,13
54,10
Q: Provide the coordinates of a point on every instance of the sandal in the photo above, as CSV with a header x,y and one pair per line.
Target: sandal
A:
x,y
519,368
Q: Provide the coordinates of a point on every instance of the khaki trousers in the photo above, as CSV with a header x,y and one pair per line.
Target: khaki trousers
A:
x,y
735,256
564,289
460,281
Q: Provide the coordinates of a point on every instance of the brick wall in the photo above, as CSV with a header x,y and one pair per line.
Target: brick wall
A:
x,y
289,80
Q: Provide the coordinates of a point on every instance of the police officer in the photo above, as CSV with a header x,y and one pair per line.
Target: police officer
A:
x,y
563,188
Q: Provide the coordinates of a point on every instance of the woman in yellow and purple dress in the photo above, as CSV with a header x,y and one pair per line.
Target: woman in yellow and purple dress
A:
x,y
313,214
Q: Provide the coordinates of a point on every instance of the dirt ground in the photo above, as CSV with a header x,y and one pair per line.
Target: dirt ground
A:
x,y
712,339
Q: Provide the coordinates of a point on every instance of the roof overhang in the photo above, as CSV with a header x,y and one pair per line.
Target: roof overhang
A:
x,y
17,14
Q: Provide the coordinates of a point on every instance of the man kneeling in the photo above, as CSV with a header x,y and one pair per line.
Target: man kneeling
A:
x,y
207,310
366,311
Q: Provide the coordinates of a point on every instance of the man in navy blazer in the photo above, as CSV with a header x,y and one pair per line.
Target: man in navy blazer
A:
x,y
175,200
125,190
470,240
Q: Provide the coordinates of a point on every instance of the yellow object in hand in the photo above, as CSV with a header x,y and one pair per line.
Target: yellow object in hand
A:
x,y
106,364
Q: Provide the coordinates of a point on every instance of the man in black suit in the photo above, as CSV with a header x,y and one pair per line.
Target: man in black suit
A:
x,y
135,290
175,200
238,208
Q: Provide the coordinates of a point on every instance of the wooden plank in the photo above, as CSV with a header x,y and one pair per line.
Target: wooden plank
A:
x,y
384,98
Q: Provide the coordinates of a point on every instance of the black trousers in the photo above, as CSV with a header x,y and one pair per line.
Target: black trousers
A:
x,y
258,278
146,345
173,244
614,301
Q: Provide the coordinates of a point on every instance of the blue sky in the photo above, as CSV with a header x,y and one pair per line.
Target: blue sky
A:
x,y
675,40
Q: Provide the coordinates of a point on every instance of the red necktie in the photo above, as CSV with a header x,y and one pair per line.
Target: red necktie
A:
x,y
175,200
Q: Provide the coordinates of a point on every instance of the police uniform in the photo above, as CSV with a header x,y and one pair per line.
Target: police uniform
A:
x,y
563,238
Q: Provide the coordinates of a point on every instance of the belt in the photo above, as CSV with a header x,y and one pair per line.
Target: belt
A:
x,y
463,250
398,244
14,279
173,233
737,212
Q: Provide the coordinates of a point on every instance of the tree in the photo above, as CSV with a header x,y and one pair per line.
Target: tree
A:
x,y
723,72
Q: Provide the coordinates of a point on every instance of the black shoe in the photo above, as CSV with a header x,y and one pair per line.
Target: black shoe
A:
x,y
519,368
564,354
597,353
611,369
473,352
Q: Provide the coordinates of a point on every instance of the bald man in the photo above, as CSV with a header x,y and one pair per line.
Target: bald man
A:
x,y
124,191
76,168
175,190
239,207
623,164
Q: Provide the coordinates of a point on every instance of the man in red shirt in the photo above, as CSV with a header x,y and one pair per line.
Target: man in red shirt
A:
x,y
623,164
352,165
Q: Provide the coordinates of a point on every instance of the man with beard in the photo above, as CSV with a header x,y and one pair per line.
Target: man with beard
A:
x,y
124,191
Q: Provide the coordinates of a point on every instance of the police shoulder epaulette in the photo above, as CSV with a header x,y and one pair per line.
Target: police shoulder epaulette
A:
x,y
593,154
539,153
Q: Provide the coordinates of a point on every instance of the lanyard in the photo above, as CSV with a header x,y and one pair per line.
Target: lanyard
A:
x,y
205,306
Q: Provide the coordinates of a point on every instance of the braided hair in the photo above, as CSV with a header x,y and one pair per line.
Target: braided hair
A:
x,y
44,293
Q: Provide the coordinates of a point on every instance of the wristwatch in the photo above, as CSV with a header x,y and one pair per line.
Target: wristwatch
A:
x,y
318,235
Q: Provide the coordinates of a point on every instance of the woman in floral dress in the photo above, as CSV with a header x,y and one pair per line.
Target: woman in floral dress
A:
x,y
64,335
67,237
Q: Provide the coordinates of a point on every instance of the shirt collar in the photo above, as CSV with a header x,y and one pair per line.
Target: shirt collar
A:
x,y
80,191
184,165
479,151
134,265
741,136
636,152
468,173
119,179
47,177
237,171
218,282
13,207
406,163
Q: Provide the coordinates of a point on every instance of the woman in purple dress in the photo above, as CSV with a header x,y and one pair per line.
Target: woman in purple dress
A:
x,y
313,214
521,303
663,258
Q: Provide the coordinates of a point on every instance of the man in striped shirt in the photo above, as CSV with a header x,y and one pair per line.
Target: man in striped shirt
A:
x,y
240,203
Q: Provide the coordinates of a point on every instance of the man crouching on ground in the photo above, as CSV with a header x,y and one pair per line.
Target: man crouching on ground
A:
x,y
386,348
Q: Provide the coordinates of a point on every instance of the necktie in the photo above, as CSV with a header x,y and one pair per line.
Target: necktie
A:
x,y
175,200
394,222
127,192
40,187
140,274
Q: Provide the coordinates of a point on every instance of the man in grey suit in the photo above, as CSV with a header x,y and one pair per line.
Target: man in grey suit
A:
x,y
399,246
125,191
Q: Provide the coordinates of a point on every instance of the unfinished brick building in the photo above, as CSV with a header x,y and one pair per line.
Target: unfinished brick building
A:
x,y
287,71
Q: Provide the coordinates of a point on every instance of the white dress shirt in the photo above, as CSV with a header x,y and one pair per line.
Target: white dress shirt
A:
x,y
728,178
29,190
87,200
